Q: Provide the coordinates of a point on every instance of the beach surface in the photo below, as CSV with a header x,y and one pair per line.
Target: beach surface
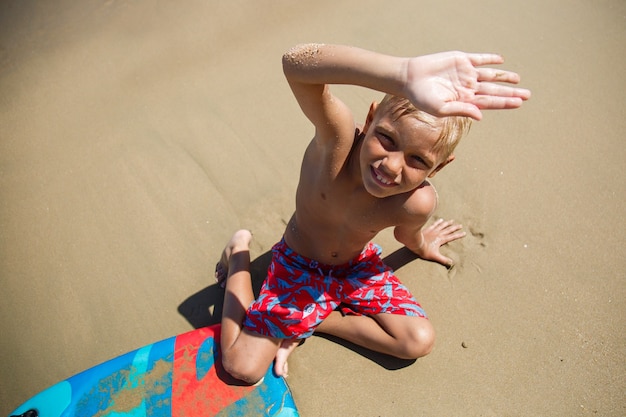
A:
x,y
137,136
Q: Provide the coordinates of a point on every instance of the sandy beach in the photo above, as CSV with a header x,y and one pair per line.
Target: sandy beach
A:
x,y
136,136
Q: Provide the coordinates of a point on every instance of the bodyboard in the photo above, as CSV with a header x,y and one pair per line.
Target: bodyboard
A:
x,y
179,376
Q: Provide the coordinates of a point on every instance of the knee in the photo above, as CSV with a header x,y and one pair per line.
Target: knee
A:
x,y
418,341
242,369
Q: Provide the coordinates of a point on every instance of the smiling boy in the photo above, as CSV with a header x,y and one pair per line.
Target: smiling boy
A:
x,y
326,275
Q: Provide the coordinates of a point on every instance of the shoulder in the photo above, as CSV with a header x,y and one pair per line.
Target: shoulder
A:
x,y
420,204
335,134
335,122
415,212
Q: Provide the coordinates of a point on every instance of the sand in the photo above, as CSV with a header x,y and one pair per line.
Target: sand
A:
x,y
136,136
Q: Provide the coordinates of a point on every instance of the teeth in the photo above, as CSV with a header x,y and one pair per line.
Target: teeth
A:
x,y
383,180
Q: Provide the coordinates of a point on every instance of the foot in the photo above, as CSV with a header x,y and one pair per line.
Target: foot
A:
x,y
280,363
239,242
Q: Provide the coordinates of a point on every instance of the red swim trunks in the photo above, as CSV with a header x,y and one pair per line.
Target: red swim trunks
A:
x,y
299,293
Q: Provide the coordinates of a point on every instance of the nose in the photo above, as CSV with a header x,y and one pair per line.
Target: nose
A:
x,y
393,163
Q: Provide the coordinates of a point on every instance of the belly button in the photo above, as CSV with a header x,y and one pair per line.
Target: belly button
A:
x,y
334,254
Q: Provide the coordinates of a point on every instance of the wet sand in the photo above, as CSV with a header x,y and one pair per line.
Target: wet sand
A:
x,y
135,137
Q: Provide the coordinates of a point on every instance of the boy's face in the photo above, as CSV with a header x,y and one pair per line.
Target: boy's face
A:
x,y
397,154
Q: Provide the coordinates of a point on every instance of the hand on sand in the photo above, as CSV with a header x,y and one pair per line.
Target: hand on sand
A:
x,y
449,84
436,235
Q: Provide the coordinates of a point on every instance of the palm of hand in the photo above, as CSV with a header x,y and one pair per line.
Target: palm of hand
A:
x,y
450,83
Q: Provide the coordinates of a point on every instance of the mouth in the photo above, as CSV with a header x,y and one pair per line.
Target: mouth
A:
x,y
381,179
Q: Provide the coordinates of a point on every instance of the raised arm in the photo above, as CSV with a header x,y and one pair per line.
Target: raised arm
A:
x,y
444,84
310,68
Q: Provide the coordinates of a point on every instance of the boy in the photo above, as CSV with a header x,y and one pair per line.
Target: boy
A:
x,y
325,274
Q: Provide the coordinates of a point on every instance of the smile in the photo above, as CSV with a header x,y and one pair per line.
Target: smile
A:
x,y
381,179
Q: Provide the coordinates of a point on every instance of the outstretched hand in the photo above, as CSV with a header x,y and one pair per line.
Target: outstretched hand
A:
x,y
451,84
436,235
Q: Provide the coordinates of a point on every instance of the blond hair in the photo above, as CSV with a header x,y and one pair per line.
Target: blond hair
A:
x,y
453,128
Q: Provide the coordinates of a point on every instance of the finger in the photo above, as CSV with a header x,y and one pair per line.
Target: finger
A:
x,y
436,223
451,237
444,260
445,226
452,227
490,89
458,108
441,225
496,103
522,93
497,75
485,59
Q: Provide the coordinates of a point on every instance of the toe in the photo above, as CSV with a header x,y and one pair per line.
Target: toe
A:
x,y
220,274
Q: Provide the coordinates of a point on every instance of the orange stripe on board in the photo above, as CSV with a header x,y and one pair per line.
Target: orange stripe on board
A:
x,y
210,394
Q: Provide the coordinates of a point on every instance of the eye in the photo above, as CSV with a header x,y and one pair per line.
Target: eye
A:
x,y
419,161
385,140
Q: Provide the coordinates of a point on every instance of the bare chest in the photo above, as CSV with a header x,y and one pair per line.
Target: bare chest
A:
x,y
344,208
335,216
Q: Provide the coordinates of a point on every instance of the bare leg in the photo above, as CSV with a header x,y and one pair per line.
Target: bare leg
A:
x,y
238,283
245,355
405,337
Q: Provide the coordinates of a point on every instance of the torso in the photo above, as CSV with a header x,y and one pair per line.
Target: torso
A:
x,y
335,216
